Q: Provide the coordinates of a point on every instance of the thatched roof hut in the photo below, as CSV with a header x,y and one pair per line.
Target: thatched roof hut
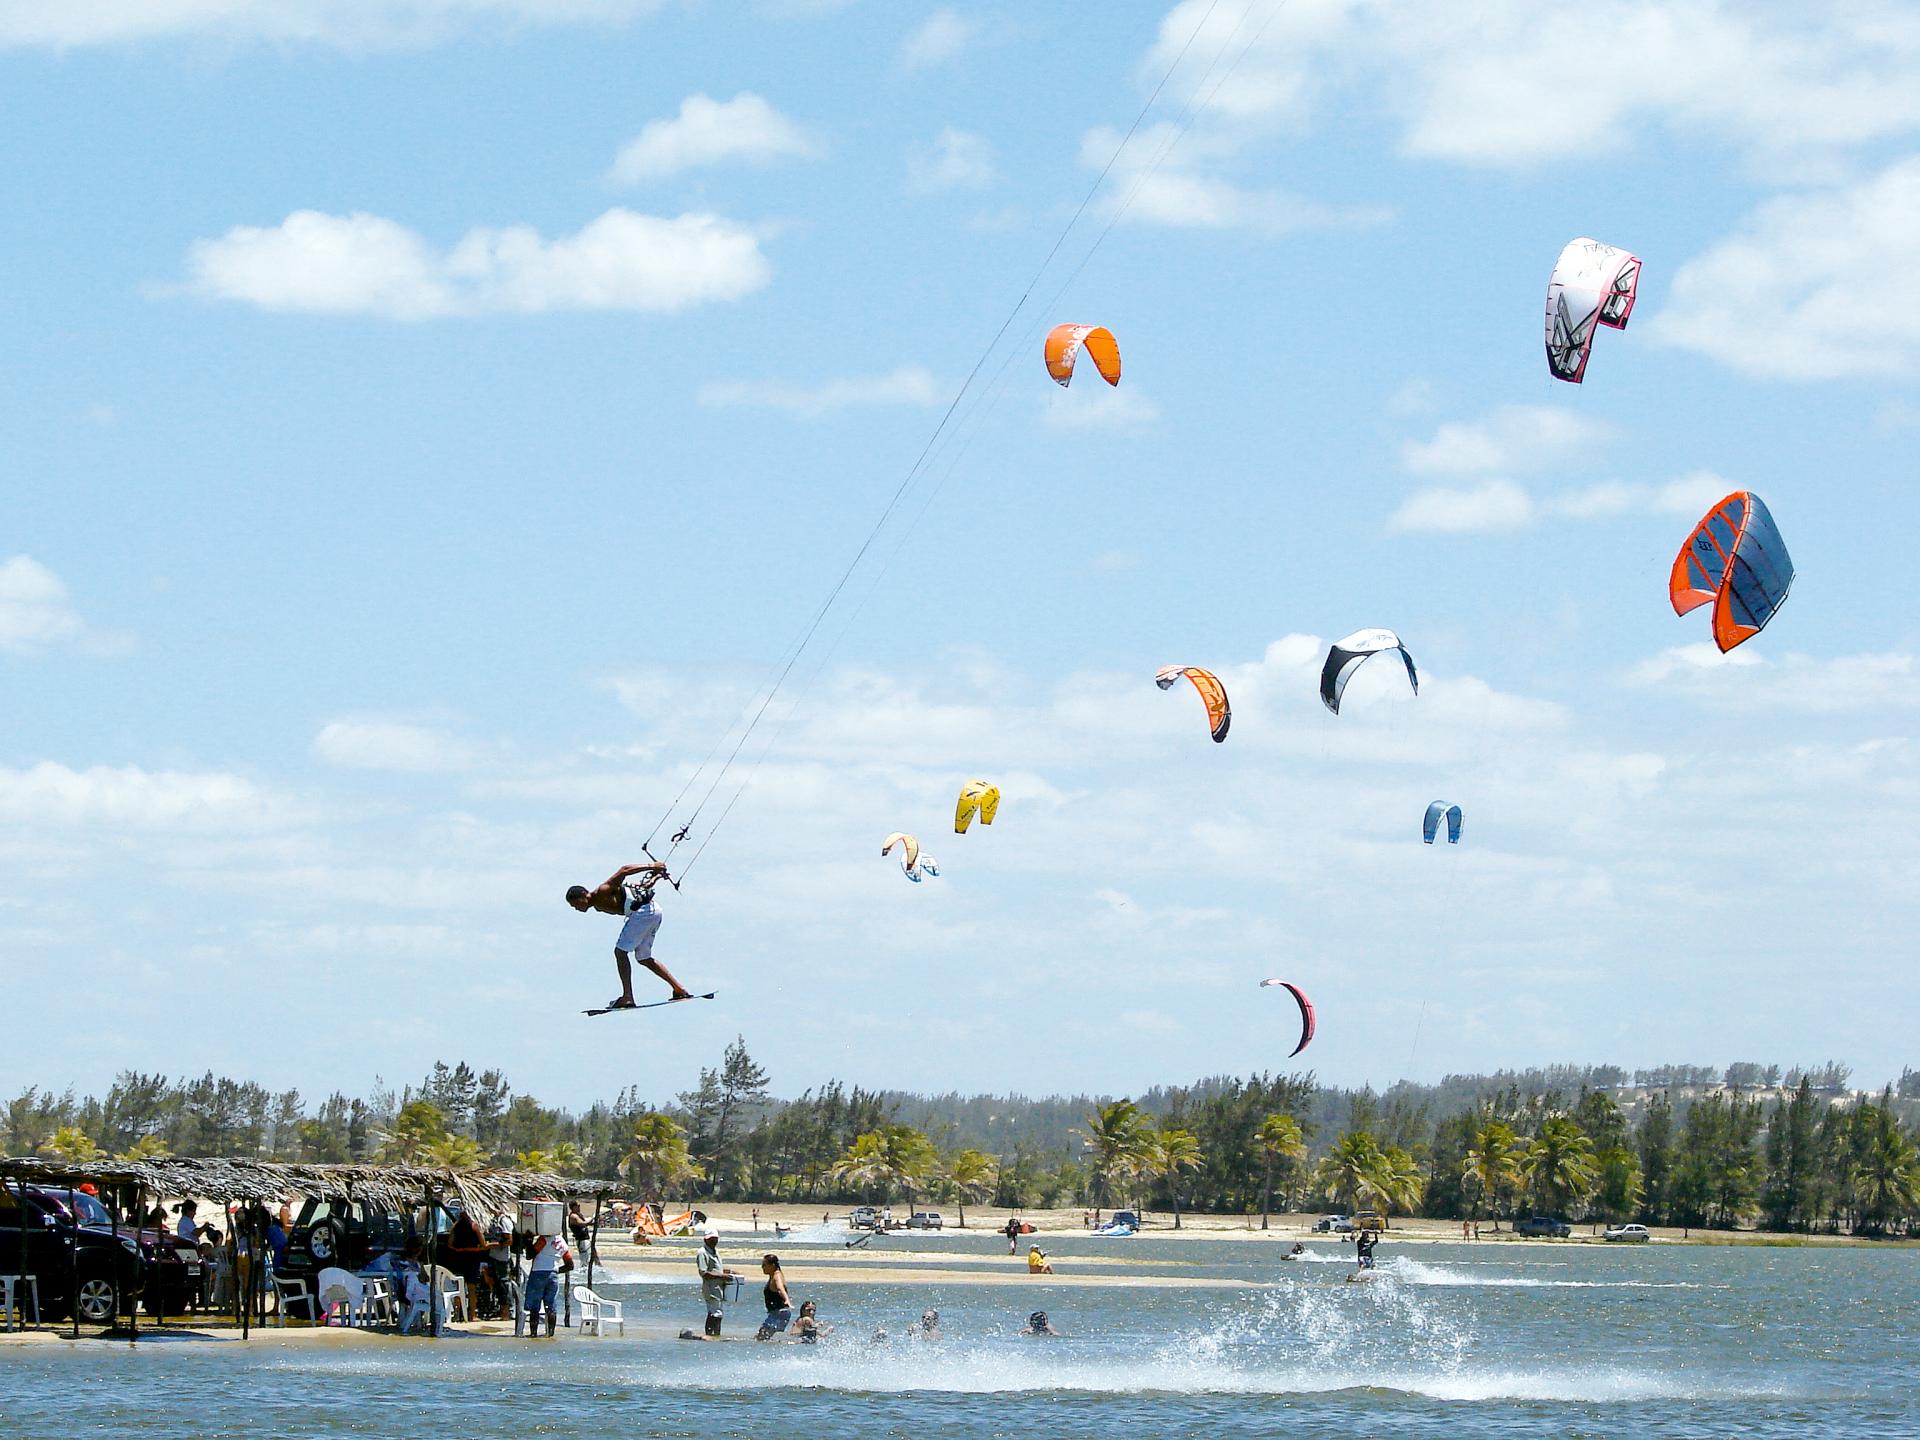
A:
x,y
480,1192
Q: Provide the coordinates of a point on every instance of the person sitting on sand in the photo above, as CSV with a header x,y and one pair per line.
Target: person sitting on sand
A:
x,y
808,1326
779,1303
1038,1324
620,894
1037,1262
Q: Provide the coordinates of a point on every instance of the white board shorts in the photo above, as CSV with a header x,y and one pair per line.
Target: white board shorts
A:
x,y
636,936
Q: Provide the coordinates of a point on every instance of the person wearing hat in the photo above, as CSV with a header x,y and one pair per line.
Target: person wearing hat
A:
x,y
714,1279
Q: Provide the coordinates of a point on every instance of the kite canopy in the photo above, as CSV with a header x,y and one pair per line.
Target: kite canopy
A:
x,y
977,797
910,849
1735,558
1065,342
1219,712
1306,1011
1347,655
1592,285
1430,826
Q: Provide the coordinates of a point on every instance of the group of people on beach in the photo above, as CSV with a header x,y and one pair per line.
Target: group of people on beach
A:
x,y
805,1324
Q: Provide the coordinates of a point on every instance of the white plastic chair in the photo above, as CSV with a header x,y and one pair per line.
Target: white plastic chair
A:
x,y
340,1289
453,1294
290,1292
596,1314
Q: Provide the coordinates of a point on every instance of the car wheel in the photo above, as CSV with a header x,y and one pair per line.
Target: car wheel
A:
x,y
323,1242
98,1301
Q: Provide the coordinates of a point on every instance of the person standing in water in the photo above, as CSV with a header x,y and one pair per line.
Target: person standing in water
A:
x,y
714,1279
629,892
779,1303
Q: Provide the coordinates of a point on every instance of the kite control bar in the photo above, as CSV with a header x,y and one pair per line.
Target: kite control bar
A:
x,y
662,864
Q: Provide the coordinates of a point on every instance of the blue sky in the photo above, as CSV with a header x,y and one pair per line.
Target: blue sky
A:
x,y
425,426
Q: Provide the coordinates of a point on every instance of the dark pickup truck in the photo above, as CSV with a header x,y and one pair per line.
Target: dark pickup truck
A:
x,y
1544,1227
77,1267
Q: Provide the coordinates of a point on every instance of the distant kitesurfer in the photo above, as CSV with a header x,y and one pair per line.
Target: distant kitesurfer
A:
x,y
1363,1246
629,892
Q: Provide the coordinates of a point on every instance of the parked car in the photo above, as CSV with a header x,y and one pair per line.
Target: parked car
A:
x,y
331,1230
1125,1217
924,1220
863,1217
1633,1234
77,1267
172,1264
1333,1224
1369,1220
1543,1227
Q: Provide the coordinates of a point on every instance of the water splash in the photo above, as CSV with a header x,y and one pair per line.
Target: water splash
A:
x,y
1419,1272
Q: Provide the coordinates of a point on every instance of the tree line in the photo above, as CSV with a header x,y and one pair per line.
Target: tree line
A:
x,y
1750,1144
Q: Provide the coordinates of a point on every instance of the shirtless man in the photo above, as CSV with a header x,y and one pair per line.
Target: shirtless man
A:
x,y
623,894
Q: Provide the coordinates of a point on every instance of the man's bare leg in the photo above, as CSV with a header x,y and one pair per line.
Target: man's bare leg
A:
x,y
626,976
680,992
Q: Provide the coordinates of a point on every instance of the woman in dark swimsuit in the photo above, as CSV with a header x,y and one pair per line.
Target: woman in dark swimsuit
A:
x,y
779,1304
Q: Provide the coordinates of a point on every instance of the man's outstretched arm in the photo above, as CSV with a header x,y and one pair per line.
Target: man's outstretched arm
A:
x,y
652,866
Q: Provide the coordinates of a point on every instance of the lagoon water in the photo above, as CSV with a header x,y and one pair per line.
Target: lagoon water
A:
x,y
1451,1340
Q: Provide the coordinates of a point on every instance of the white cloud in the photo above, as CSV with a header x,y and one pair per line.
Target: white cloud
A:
x,y
1490,505
906,385
36,615
1512,440
709,132
1817,285
1150,186
1499,504
1840,685
1099,406
344,23
395,745
1522,85
53,796
937,39
367,265
956,160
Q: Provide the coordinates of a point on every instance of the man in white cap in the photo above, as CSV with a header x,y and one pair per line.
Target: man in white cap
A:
x,y
714,1279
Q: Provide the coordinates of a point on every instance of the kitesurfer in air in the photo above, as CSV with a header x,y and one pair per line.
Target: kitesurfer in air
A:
x,y
629,892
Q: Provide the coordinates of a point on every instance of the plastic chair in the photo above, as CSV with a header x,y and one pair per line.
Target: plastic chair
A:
x,y
596,1314
453,1294
290,1292
340,1290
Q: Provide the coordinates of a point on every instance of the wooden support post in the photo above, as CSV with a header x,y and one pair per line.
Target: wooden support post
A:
x,y
73,1263
160,1307
432,1258
593,1238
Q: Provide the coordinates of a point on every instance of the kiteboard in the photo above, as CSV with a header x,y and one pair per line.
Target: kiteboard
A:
x,y
650,1005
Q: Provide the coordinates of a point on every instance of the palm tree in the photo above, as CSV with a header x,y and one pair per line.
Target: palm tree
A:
x,y
1493,1164
72,1144
147,1147
657,1159
1351,1170
1887,1177
1559,1165
453,1152
1281,1142
1174,1151
974,1175
866,1165
1117,1138
1398,1182
568,1158
539,1160
418,1126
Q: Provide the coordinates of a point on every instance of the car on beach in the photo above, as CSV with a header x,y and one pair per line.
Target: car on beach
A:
x,y
1543,1227
863,1217
1333,1225
76,1267
333,1230
1632,1234
172,1264
1369,1220
925,1220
